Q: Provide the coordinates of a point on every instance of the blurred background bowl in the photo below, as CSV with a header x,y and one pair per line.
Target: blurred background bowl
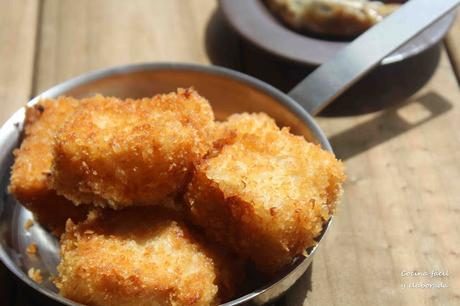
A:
x,y
256,24
283,57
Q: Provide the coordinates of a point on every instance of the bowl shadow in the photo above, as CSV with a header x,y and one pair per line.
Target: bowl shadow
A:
x,y
387,125
386,86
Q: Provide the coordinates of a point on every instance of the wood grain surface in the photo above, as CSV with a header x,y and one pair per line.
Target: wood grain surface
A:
x,y
18,27
401,207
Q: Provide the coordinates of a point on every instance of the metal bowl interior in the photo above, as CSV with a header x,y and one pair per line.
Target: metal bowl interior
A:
x,y
228,92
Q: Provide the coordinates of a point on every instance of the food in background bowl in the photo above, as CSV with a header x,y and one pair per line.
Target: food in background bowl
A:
x,y
339,18
270,190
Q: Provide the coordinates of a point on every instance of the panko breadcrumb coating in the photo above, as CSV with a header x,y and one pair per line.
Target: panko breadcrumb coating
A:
x,y
28,183
32,249
35,275
264,192
142,256
28,224
119,153
238,125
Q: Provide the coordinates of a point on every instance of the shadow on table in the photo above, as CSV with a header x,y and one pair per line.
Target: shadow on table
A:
x,y
389,124
223,46
384,87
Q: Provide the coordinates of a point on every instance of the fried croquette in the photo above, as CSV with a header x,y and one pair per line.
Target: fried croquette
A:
x,y
119,153
28,183
142,256
265,192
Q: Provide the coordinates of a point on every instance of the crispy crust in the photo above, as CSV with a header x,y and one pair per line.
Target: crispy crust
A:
x,y
331,17
119,153
266,193
226,132
142,256
28,183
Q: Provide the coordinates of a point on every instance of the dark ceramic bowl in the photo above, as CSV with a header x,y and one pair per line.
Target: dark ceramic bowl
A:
x,y
256,24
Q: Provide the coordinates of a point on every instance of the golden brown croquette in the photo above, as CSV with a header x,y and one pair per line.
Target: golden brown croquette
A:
x,y
28,183
264,192
142,256
119,153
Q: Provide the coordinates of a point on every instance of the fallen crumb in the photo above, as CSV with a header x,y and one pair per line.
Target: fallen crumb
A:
x,y
52,278
35,275
32,249
28,224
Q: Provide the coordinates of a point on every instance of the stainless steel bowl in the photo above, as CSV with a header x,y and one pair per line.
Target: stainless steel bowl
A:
x,y
228,92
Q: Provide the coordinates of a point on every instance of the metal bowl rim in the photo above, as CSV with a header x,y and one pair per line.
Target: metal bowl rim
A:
x,y
61,88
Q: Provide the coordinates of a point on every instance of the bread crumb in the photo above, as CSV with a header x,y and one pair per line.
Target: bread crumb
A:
x,y
32,249
28,224
35,275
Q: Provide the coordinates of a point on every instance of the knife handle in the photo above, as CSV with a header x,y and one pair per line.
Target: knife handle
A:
x,y
332,78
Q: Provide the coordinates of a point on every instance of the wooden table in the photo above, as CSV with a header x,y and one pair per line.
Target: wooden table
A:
x,y
401,208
